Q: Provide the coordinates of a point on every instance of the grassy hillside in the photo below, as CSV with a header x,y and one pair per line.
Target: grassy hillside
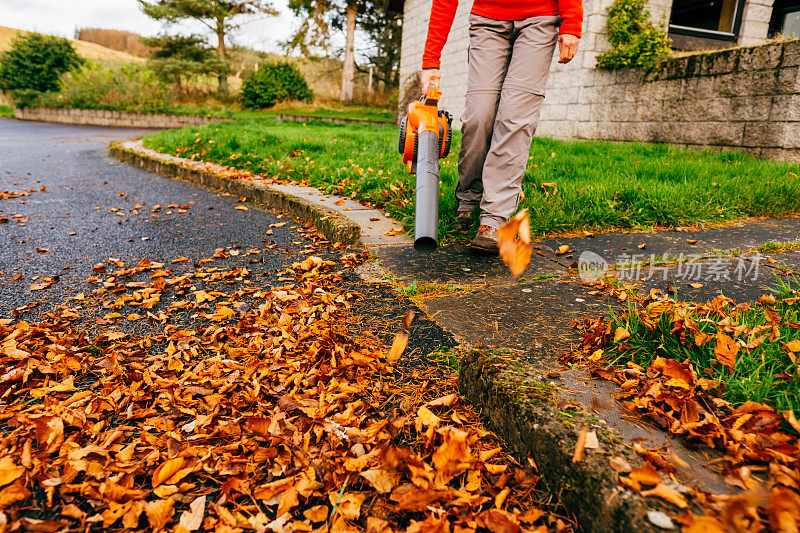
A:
x,y
85,49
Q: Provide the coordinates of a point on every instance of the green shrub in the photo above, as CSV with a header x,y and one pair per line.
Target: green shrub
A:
x,y
119,88
274,83
183,58
33,65
635,41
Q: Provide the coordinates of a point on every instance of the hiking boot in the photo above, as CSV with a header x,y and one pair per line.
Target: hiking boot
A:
x,y
464,219
486,240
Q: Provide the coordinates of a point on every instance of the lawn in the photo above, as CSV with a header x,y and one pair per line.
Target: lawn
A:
x,y
568,186
6,111
749,350
325,111
293,108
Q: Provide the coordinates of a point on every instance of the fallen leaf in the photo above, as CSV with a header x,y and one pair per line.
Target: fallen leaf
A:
x,y
159,513
668,494
166,470
620,334
398,346
384,481
591,441
646,475
726,350
515,251
620,464
580,445
9,471
193,518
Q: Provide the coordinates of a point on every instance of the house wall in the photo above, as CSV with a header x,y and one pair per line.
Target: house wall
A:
x,y
565,80
755,22
745,98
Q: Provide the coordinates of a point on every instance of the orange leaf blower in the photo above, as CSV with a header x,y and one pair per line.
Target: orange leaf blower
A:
x,y
425,136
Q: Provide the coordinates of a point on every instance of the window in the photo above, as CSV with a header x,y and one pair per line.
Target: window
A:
x,y
785,18
718,19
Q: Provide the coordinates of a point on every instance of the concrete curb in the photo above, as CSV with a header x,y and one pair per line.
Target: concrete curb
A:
x,y
520,404
333,225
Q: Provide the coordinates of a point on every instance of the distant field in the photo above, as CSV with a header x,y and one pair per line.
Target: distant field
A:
x,y
85,49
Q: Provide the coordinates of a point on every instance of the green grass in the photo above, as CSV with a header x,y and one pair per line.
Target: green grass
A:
x,y
446,357
327,111
6,111
598,185
778,246
766,374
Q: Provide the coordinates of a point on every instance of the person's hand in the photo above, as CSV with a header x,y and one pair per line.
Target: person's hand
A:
x,y
567,47
429,75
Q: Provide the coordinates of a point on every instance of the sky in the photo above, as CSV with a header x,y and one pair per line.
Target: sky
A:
x,y
62,17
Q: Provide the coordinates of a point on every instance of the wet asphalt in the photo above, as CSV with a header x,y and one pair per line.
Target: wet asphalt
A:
x,y
94,208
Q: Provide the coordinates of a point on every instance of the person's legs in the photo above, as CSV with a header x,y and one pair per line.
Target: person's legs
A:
x,y
489,54
517,117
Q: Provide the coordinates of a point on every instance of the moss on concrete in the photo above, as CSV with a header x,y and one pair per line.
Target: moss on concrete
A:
x,y
521,404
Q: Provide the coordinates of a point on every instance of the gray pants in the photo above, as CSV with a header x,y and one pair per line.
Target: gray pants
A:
x,y
509,62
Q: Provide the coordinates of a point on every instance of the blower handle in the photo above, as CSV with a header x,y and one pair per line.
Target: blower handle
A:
x,y
432,94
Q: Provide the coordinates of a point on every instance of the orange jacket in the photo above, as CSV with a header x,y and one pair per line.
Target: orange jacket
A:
x,y
444,11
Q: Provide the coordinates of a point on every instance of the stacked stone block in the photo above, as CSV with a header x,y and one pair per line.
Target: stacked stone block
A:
x,y
99,117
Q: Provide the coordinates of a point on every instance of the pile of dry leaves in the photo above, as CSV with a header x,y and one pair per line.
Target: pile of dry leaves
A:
x,y
758,455
269,416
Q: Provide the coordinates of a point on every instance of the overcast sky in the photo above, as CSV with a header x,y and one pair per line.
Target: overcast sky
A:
x,y
62,17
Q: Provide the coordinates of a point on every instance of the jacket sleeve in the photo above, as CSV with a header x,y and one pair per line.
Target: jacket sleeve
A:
x,y
442,14
571,12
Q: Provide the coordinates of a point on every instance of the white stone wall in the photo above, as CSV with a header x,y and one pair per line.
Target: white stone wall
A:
x,y
755,22
454,53
574,104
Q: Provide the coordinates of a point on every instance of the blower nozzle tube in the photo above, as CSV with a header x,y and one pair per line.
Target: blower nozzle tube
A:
x,y
425,136
426,211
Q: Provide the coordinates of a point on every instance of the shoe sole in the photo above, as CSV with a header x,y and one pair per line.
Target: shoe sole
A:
x,y
485,250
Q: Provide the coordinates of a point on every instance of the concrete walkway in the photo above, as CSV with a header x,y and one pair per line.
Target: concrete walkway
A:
x,y
532,316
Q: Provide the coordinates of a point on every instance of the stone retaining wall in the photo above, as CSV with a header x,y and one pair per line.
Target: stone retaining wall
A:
x,y
744,98
98,117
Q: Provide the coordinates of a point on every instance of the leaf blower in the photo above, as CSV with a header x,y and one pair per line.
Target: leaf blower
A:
x,y
425,136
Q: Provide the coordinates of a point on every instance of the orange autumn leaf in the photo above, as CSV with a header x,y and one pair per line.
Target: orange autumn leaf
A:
x,y
646,475
166,470
9,471
159,513
783,509
383,481
13,494
668,494
726,350
515,252
398,346
620,334
580,445
701,524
